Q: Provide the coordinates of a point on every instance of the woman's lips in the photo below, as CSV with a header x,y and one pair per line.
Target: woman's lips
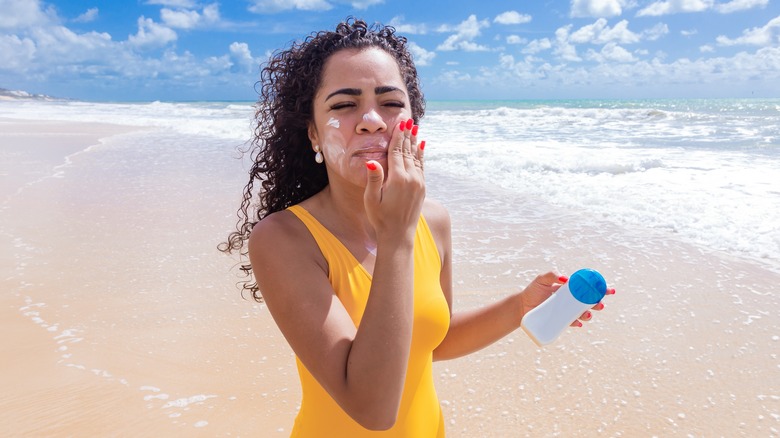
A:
x,y
372,154
372,151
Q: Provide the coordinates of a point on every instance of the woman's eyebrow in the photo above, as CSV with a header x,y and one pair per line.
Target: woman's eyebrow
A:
x,y
386,89
357,91
347,91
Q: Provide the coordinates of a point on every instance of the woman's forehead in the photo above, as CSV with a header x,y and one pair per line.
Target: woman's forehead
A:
x,y
360,68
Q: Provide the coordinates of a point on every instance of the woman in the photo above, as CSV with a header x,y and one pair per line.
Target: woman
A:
x,y
352,260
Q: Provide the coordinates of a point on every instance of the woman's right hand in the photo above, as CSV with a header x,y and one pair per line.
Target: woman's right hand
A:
x,y
393,204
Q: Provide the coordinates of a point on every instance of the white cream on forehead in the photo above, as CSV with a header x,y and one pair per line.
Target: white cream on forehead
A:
x,y
334,122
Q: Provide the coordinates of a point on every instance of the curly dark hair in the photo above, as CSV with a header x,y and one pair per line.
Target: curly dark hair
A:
x,y
280,150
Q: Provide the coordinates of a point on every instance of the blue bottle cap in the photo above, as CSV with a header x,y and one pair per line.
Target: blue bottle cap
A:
x,y
587,286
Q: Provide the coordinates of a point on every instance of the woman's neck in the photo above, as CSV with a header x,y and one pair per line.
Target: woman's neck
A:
x,y
343,210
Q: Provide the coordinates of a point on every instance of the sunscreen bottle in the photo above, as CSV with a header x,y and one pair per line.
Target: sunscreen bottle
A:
x,y
545,322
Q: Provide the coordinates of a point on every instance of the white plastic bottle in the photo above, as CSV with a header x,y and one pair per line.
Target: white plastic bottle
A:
x,y
545,322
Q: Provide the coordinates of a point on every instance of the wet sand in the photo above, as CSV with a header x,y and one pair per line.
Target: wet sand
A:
x,y
121,318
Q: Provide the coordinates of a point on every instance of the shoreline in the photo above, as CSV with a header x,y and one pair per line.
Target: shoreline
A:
x,y
33,148
108,261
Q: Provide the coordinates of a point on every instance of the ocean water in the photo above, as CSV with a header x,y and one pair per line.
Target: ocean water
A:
x,y
704,171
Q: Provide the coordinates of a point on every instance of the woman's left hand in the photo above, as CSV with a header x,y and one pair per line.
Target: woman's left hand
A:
x,y
547,284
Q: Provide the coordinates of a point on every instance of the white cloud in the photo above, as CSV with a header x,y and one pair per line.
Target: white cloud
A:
x,y
179,19
758,36
23,50
688,32
600,33
681,6
526,71
189,19
512,17
655,32
47,52
365,4
465,32
23,13
56,44
537,46
515,39
186,4
241,58
597,8
611,52
421,56
674,7
471,46
151,34
89,15
706,49
740,5
406,28
642,78
563,48
469,28
452,78
272,6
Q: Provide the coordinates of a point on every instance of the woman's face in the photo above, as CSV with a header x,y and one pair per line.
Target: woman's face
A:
x,y
361,101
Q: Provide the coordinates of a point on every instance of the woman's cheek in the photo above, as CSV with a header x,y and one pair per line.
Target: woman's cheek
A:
x,y
334,148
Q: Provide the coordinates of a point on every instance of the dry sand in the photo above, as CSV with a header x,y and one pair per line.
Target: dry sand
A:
x,y
121,319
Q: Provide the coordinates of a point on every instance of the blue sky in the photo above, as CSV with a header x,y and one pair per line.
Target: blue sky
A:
x,y
203,50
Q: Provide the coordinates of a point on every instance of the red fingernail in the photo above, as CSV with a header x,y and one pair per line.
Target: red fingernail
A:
x,y
600,306
610,291
563,279
371,165
587,315
409,124
422,145
414,129
402,126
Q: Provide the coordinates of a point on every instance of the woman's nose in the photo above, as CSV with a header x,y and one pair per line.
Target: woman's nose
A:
x,y
371,122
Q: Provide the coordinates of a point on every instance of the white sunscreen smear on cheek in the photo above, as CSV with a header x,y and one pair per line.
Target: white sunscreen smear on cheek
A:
x,y
334,122
334,150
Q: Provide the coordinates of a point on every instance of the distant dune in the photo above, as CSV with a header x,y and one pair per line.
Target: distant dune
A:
x,y
23,95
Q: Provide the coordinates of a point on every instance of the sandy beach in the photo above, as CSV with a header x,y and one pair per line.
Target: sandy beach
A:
x,y
121,318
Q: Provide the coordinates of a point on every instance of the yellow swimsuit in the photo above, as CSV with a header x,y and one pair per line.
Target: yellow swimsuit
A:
x,y
420,413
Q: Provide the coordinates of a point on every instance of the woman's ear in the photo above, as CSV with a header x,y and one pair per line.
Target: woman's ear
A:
x,y
313,137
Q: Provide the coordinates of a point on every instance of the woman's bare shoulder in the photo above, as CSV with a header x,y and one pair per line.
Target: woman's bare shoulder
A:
x,y
436,214
280,237
285,258
438,219
279,226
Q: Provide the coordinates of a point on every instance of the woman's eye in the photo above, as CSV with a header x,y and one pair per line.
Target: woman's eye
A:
x,y
342,105
395,104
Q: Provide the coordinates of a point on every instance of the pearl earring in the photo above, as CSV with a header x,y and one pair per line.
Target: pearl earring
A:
x,y
318,156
